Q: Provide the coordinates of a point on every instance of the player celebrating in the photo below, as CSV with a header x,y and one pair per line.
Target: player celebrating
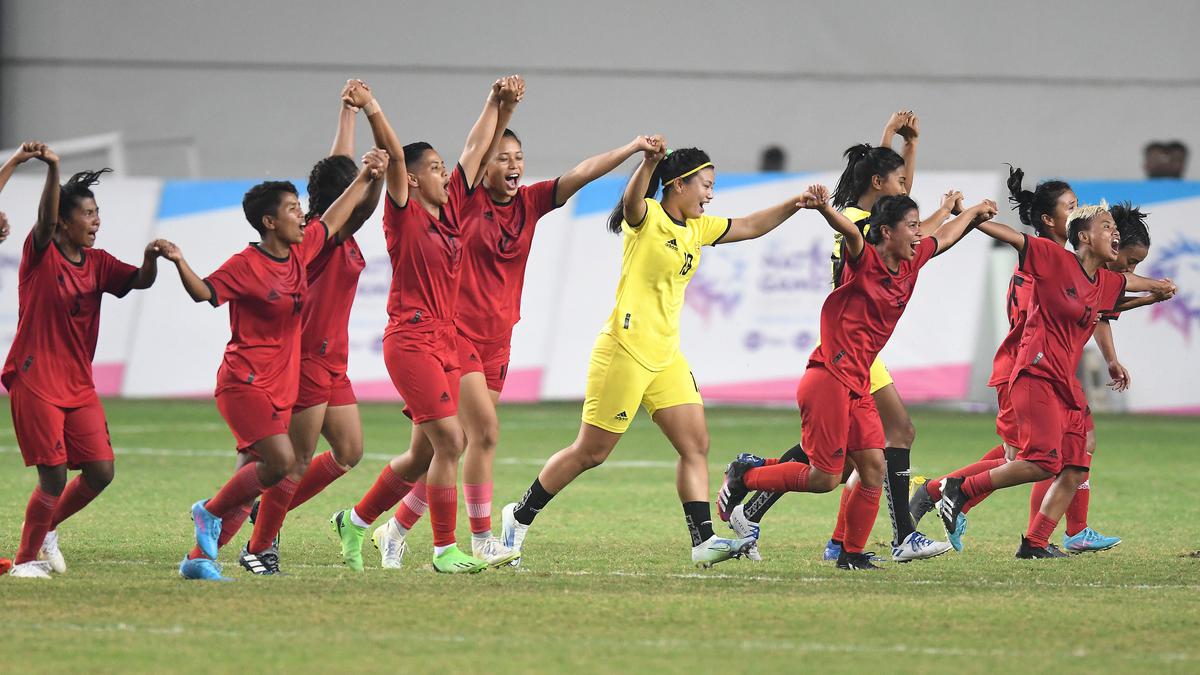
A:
x,y
266,285
636,359
838,417
424,229
57,417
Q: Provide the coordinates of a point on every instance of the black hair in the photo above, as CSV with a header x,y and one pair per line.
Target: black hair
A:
x,y
862,163
327,181
509,133
414,152
1031,206
887,212
263,200
77,188
671,167
1131,223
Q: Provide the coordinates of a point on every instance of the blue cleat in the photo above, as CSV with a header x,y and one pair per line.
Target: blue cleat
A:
x,y
960,528
1088,540
833,551
202,569
750,458
208,529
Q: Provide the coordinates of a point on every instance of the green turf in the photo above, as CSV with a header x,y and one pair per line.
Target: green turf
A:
x,y
606,584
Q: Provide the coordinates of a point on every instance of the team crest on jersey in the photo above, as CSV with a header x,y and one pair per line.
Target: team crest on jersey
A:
x,y
1180,262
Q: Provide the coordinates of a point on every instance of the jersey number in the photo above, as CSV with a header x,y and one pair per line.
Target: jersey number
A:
x,y
687,264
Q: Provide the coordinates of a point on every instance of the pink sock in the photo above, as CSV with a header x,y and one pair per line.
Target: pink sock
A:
x,y
413,506
479,506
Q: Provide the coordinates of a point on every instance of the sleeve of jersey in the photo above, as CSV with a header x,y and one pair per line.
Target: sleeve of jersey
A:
x,y
1113,292
458,189
30,255
229,282
1037,257
315,238
713,229
925,251
116,277
542,196
653,209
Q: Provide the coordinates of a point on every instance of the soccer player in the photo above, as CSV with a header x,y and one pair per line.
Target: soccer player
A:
x,y
636,358
499,221
1072,290
838,416
57,417
871,174
424,229
266,285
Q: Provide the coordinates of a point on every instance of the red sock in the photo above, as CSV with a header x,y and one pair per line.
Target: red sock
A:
x,y
413,506
271,511
934,488
785,477
995,453
860,517
443,513
38,514
388,489
230,525
977,485
974,501
323,470
1036,496
479,506
1077,512
1040,530
77,495
771,461
839,528
242,488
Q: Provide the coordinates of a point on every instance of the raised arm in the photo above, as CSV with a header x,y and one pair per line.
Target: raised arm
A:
x,y
596,166
385,138
1165,289
904,123
951,206
1003,233
357,202
953,231
343,140
47,219
761,222
817,199
633,200
192,283
511,91
148,272
479,139
26,152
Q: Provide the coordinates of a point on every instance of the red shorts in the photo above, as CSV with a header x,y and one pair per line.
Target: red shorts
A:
x,y
251,415
1079,423
489,358
319,384
1006,418
1049,433
835,422
425,375
50,436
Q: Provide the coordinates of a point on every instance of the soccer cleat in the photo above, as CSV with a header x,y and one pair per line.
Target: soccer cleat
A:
x,y
265,563
512,532
1087,540
950,507
1028,551
715,550
34,569
208,529
351,536
492,552
50,553
857,561
745,528
919,501
833,551
454,561
733,489
391,545
917,546
750,458
203,569
960,528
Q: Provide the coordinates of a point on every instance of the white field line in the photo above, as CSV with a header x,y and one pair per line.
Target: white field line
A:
x,y
549,423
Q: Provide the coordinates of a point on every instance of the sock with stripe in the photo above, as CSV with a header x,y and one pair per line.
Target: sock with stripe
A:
x,y
412,507
698,516
479,506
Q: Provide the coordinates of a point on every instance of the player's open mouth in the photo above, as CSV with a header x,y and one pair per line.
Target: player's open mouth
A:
x,y
1116,245
511,180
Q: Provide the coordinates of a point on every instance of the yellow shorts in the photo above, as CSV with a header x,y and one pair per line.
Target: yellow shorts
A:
x,y
880,377
617,383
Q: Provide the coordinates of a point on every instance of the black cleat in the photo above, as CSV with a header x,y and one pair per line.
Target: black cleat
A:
x,y
951,504
1028,551
856,561
920,504
733,489
265,563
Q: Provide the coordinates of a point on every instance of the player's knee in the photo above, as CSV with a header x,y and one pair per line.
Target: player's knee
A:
x,y
348,454
590,457
819,481
52,479
902,434
99,476
486,439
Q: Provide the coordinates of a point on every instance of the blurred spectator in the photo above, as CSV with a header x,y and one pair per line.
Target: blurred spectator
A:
x,y
1165,159
773,160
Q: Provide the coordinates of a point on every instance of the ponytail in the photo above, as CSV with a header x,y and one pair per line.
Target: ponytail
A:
x,y
77,188
1031,206
863,162
683,163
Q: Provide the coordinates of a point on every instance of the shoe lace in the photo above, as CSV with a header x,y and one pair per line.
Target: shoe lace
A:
x,y
920,541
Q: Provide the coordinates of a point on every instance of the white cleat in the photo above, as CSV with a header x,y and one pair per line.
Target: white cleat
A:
x,y
917,546
715,550
391,545
744,527
492,552
50,553
512,533
34,569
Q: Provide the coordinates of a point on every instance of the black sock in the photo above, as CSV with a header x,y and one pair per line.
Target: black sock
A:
x,y
895,485
535,500
698,516
762,502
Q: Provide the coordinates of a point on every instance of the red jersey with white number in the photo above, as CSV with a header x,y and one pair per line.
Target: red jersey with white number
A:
x,y
426,255
860,315
266,298
332,282
1017,305
58,321
496,242
1066,306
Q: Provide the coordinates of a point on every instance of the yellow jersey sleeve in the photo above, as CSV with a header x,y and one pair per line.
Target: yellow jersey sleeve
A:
x,y
713,228
858,217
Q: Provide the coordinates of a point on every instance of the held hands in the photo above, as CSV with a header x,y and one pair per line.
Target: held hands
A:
x,y
1165,289
356,94
1120,376
952,201
653,148
815,197
375,162
984,211
347,100
165,249
27,151
4,229
509,91
903,123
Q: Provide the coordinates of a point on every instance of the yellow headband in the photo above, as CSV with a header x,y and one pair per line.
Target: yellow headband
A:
x,y
702,166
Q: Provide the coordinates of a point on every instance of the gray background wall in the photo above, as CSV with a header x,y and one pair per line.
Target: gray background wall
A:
x,y
1070,88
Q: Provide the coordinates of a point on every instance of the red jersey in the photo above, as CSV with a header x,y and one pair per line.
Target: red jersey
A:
x,y
496,241
266,298
1066,307
860,314
1017,305
332,283
58,321
426,255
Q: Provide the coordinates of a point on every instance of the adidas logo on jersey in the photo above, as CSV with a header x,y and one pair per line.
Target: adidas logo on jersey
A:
x,y
621,417
839,452
445,397
1071,292
273,295
672,244
1054,453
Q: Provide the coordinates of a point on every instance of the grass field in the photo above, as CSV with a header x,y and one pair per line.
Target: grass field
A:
x,y
606,584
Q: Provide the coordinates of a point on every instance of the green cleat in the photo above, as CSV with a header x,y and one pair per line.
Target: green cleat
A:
x,y
454,561
352,539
